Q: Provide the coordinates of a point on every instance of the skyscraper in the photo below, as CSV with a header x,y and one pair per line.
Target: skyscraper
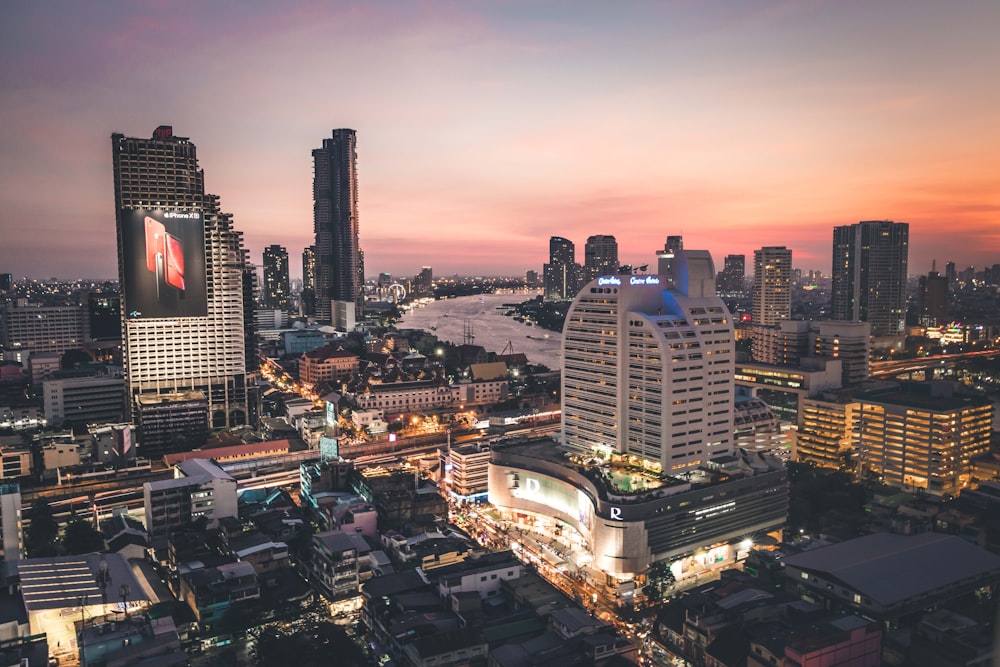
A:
x,y
308,296
933,299
869,274
951,274
772,285
182,270
339,282
559,273
665,257
276,290
309,268
423,282
600,257
648,366
732,276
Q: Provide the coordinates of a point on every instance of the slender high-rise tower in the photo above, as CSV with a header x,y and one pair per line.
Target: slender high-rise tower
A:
x,y
276,290
339,283
648,366
182,270
732,277
600,257
772,285
933,299
560,272
869,274
308,296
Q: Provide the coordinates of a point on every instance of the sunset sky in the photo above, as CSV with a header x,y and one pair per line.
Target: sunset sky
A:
x,y
485,128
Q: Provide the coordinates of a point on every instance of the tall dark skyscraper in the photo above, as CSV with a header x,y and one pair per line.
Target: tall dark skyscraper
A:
x,y
933,297
308,296
339,278
732,278
276,290
423,282
182,269
309,268
869,274
951,274
600,257
560,273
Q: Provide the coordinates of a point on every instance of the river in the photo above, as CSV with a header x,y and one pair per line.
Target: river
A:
x,y
484,317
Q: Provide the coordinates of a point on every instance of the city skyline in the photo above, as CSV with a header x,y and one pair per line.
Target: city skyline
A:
x,y
484,131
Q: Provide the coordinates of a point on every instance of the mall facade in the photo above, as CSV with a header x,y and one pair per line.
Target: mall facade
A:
x,y
693,523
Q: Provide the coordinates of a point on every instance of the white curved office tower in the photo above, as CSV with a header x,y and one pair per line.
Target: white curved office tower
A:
x,y
648,367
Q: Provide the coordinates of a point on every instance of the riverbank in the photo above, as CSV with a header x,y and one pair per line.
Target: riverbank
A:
x,y
481,318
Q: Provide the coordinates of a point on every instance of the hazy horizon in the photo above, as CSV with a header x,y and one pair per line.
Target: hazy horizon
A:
x,y
485,129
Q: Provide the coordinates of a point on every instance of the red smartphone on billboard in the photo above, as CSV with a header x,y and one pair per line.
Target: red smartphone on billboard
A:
x,y
174,262
154,243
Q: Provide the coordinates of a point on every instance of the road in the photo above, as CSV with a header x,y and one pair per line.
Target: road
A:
x,y
897,367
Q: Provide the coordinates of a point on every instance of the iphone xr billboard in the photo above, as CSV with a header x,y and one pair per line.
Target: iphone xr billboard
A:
x,y
163,252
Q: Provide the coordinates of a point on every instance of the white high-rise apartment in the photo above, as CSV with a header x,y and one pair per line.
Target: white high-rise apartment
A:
x,y
772,285
648,367
182,270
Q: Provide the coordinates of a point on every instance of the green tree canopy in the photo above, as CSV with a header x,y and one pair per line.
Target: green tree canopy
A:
x,y
82,538
41,537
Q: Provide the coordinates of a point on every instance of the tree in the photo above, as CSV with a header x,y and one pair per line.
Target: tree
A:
x,y
659,580
40,539
81,538
311,646
73,358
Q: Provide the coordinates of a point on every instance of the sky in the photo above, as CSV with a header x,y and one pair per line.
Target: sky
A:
x,y
486,127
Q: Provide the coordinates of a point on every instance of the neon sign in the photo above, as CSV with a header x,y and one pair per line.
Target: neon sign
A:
x,y
609,280
643,280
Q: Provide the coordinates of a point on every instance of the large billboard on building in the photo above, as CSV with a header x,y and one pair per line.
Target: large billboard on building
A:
x,y
163,255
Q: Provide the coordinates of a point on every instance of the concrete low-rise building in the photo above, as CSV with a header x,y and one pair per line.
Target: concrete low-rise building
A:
x,y
483,575
327,364
214,592
84,400
335,564
396,398
922,435
263,553
887,576
55,589
783,388
199,489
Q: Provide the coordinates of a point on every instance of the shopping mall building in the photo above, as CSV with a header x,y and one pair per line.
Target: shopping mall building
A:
x,y
695,522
